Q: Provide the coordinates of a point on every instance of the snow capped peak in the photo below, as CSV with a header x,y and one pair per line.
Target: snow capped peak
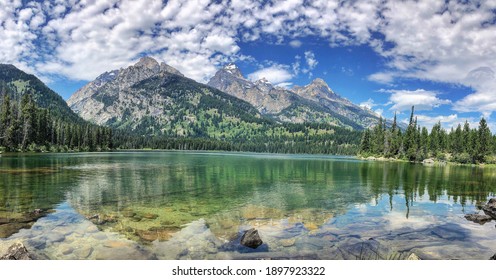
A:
x,y
264,80
230,66
232,69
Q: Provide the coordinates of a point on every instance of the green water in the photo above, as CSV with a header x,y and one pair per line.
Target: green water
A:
x,y
191,205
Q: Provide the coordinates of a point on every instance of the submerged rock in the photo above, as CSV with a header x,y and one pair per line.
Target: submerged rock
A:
x,y
251,239
477,218
413,257
490,208
17,252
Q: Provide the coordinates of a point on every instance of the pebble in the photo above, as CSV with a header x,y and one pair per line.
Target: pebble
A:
x,y
55,237
99,236
83,253
288,242
150,216
116,244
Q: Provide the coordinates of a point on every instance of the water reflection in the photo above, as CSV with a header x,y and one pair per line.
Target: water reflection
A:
x,y
303,206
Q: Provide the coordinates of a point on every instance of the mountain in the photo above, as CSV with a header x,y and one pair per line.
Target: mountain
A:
x,y
16,83
319,92
152,105
155,99
278,103
315,102
35,118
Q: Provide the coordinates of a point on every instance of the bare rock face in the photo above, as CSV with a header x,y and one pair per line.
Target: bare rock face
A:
x,y
490,208
110,94
261,94
251,239
319,92
477,218
279,103
17,252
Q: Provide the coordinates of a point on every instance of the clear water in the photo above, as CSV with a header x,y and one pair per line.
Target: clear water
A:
x,y
195,205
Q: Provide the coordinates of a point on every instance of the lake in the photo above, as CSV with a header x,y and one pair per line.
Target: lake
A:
x,y
196,205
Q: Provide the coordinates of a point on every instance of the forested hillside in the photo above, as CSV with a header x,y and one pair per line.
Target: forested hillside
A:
x,y
34,118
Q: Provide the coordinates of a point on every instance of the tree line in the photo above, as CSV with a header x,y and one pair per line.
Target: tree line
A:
x,y
26,127
342,142
462,144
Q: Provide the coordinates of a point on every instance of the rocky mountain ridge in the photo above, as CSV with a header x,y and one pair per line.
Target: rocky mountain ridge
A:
x,y
315,102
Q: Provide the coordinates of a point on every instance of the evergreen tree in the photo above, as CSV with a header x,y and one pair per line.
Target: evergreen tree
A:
x,y
378,138
466,137
365,145
409,142
395,142
483,142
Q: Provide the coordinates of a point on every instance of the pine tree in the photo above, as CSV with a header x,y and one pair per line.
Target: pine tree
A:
x,y
395,142
365,145
409,142
5,120
483,142
466,137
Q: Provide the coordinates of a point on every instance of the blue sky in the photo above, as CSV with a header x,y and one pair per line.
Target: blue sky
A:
x,y
387,55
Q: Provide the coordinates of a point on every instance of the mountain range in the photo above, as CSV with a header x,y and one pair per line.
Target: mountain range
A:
x,y
315,102
151,104
154,98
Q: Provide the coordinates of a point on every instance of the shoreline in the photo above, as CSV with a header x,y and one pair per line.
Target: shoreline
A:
x,y
426,162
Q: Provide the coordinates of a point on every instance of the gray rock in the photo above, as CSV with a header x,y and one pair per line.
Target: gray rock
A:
x,y
490,208
251,239
17,252
477,218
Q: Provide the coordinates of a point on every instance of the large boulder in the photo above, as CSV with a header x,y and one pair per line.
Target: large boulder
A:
x,y
17,252
477,218
493,257
251,239
490,208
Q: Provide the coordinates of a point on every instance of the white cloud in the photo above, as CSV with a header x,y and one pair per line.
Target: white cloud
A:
x,y
295,43
441,41
381,77
447,121
369,104
276,74
379,112
403,100
310,60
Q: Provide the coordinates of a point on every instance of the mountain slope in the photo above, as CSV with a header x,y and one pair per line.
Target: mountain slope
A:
x,y
35,118
16,83
319,92
149,98
281,104
315,102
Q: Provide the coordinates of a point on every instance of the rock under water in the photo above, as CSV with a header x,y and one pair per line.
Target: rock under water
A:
x,y
477,218
251,239
17,252
490,208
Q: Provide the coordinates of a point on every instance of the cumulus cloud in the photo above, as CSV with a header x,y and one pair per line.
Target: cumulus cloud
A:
x,y
447,121
369,104
445,41
381,77
276,74
403,100
295,43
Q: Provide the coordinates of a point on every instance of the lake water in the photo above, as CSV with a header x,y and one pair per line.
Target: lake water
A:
x,y
196,205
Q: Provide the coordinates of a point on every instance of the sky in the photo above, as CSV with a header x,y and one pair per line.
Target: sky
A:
x,y
439,56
